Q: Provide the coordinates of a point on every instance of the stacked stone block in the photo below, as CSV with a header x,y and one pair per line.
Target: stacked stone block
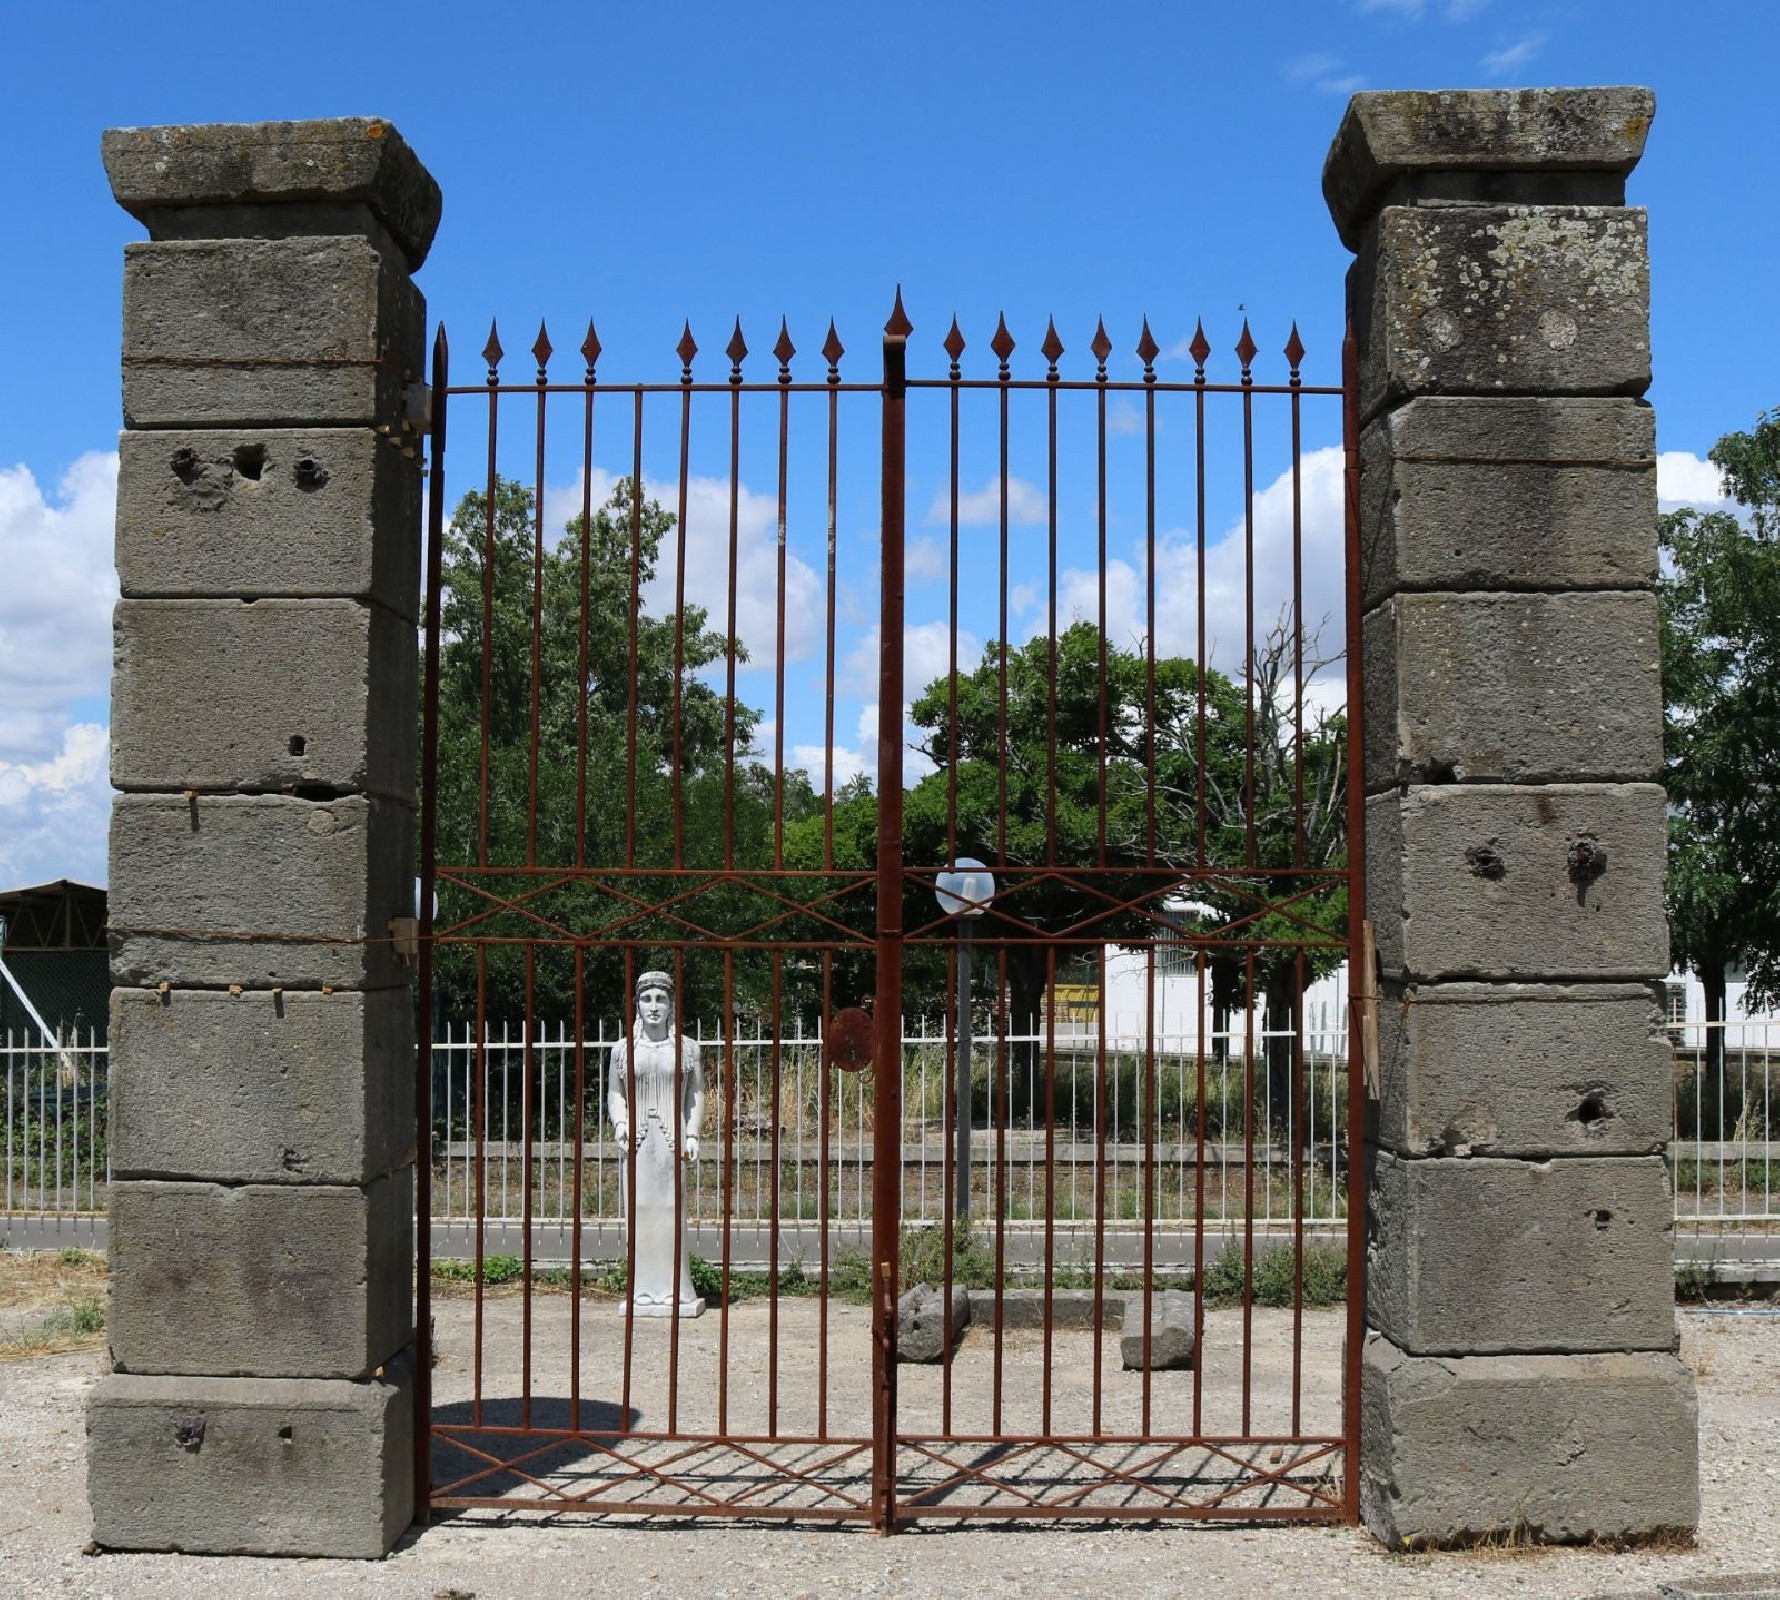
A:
x,y
1520,1373
263,726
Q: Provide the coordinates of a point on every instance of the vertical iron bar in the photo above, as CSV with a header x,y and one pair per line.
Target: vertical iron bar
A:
x,y
1360,982
887,1156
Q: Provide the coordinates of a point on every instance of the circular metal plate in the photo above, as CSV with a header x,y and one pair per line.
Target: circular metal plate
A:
x,y
851,1034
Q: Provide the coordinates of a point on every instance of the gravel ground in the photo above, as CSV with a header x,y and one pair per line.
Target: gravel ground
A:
x,y
44,1524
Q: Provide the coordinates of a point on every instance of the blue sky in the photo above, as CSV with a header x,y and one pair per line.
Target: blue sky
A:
x,y
645,165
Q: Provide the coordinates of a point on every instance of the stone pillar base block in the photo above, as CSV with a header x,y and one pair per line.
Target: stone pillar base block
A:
x,y
1559,1449
252,1466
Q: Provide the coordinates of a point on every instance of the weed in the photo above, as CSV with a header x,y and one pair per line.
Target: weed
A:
x,y
1274,1275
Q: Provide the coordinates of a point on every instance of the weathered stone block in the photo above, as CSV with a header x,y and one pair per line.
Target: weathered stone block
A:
x,y
1523,688
261,1281
261,1088
1551,883
1172,1343
271,333
1561,1448
258,890
160,175
927,1325
1521,493
252,1466
1558,145
1481,300
1523,1070
1475,1257
264,695
303,513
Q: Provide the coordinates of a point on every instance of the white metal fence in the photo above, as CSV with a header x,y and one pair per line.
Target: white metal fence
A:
x,y
816,1127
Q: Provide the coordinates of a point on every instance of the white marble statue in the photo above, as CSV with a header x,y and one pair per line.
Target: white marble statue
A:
x,y
656,1099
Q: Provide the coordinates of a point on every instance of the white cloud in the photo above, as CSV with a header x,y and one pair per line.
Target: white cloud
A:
x,y
1322,498
1322,72
1684,479
923,560
54,812
926,657
707,562
1123,417
55,667
1511,58
55,606
1463,10
978,508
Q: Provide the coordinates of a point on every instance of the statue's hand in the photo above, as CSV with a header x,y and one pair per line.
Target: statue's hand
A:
x,y
621,1133
689,1148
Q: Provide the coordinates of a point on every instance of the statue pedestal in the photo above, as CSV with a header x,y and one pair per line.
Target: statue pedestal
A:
x,y
657,1308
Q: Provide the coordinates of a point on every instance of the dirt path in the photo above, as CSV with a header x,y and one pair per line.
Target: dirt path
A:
x,y
44,1525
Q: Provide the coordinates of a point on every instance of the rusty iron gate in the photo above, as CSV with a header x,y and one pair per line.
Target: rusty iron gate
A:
x,y
642,679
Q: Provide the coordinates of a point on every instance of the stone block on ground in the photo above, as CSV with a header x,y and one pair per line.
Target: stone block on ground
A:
x,y
261,1088
926,1326
268,333
252,1466
1514,688
1524,1070
1558,1448
258,890
1398,145
260,1281
1479,1256
1170,1331
176,178
1557,882
1508,493
300,513
273,695
1482,300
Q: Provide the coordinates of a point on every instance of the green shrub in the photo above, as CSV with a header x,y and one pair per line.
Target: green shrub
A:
x,y
1274,1273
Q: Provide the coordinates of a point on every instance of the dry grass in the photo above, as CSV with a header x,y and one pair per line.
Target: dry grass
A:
x,y
51,1301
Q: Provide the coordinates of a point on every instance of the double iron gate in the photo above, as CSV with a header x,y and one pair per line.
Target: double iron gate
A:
x,y
676,724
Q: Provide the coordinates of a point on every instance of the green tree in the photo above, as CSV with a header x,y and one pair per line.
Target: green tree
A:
x,y
547,670
1720,596
1102,768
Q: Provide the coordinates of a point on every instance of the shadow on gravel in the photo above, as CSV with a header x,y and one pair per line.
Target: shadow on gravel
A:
x,y
478,1457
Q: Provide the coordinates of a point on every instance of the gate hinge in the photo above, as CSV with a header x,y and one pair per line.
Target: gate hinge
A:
x,y
404,938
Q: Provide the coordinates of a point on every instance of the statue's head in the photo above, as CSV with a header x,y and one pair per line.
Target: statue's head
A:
x,y
655,999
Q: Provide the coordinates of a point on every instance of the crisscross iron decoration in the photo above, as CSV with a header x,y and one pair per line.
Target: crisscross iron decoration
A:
x,y
643,667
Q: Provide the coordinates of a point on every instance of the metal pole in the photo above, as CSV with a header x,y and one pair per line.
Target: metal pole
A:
x,y
961,1113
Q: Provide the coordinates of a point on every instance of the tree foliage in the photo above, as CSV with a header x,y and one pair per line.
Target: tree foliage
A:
x,y
535,678
1720,595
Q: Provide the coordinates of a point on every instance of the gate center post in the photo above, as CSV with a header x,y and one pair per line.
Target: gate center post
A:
x,y
887,1056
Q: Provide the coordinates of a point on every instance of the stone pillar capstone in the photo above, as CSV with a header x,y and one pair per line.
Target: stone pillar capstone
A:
x,y
1519,1374
263,746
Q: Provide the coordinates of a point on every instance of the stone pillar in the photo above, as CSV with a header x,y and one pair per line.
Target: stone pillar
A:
x,y
263,743
1520,1370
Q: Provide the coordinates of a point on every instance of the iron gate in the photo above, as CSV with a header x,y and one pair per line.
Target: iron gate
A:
x,y
1135,722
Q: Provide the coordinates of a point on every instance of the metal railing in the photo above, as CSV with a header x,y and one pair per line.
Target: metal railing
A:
x,y
1725,1161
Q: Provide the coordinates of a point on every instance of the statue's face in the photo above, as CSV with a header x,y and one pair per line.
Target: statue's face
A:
x,y
654,1005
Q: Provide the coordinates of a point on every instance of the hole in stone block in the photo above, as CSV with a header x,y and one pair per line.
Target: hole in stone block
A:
x,y
298,744
1602,1218
309,473
1591,1111
285,1434
250,461
188,1433
1485,861
185,466
317,791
